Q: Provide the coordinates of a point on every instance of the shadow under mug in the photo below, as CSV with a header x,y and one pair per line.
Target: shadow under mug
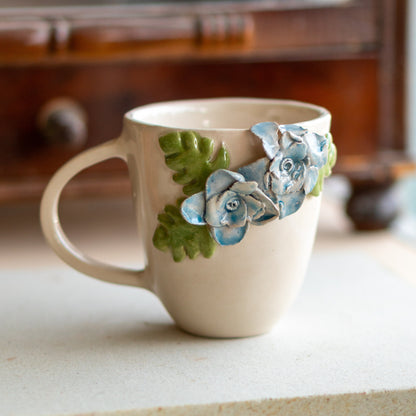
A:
x,y
216,290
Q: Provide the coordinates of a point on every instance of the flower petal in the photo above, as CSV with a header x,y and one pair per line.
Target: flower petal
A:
x,y
292,148
269,212
310,179
193,209
212,215
255,207
317,149
255,171
296,132
244,188
290,203
275,163
226,209
228,236
220,180
268,133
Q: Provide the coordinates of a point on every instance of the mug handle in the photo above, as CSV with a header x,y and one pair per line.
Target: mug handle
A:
x,y
55,235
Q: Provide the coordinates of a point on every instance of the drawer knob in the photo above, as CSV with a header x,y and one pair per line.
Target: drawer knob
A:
x,y
63,122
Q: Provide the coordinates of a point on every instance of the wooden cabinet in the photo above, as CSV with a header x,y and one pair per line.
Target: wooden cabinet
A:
x,y
68,73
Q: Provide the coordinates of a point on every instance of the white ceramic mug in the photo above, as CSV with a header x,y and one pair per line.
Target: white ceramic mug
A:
x,y
245,247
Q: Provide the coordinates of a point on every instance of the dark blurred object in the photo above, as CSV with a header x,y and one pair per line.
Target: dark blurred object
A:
x,y
373,206
63,123
345,55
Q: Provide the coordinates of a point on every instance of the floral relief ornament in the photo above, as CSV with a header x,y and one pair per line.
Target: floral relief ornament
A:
x,y
273,187
291,168
228,205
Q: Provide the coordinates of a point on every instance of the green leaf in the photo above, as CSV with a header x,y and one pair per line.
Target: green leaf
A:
x,y
326,170
191,157
183,239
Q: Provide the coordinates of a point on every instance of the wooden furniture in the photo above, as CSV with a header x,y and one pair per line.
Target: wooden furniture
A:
x,y
68,73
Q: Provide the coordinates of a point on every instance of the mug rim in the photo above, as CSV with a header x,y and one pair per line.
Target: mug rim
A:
x,y
131,115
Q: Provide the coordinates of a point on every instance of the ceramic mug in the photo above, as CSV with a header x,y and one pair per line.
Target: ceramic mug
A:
x,y
226,196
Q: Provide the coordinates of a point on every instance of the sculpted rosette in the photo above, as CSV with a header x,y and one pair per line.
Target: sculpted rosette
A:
x,y
291,169
228,205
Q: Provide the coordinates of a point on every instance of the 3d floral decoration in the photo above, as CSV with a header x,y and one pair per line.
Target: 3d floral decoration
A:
x,y
191,157
291,169
228,205
221,204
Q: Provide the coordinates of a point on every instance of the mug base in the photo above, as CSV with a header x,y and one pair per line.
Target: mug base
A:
x,y
224,334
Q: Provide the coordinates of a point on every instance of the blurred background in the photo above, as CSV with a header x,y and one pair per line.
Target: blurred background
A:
x,y
407,222
69,70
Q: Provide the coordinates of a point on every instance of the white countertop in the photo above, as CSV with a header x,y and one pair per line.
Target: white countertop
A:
x,y
72,345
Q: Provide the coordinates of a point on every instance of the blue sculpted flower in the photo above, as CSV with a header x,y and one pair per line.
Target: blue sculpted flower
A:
x,y
228,205
290,171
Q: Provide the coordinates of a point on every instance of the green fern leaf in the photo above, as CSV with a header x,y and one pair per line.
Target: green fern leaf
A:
x,y
191,157
326,170
183,239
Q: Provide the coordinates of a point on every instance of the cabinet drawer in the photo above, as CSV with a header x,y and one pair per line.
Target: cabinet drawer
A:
x,y
106,92
189,30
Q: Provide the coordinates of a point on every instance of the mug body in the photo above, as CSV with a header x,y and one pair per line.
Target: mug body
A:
x,y
244,288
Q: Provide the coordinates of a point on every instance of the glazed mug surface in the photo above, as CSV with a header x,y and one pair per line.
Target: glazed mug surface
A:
x,y
226,196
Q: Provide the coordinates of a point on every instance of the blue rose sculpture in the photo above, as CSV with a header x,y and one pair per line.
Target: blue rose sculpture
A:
x,y
291,168
228,205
